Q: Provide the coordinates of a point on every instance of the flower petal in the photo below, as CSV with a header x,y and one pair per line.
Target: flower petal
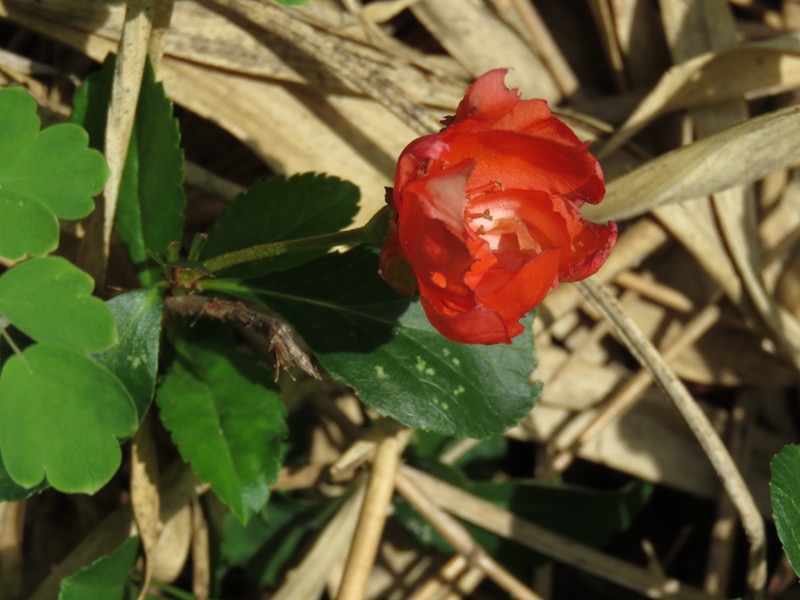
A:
x,y
433,236
487,100
413,163
522,161
523,289
475,326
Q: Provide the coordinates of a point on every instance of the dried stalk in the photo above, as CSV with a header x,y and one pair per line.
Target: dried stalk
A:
x,y
460,539
624,399
371,520
307,580
503,523
137,40
717,454
327,49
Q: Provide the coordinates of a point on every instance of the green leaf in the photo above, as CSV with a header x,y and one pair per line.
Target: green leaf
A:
x,y
10,491
104,579
135,359
293,2
382,345
151,201
49,299
44,176
785,493
61,415
225,416
281,209
264,546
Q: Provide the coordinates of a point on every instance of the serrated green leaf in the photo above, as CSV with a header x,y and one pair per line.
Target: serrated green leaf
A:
x,y
43,176
135,359
225,416
61,416
785,493
281,209
151,199
382,345
49,299
104,579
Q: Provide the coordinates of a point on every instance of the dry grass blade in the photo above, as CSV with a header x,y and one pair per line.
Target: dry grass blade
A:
x,y
371,520
127,82
359,74
201,559
12,517
470,31
723,536
746,72
145,499
307,580
726,469
736,156
455,576
505,524
624,399
457,535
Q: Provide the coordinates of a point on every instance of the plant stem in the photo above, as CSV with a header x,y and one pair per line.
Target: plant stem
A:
x,y
254,253
371,233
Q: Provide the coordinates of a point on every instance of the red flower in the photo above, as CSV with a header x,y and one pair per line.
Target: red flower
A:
x,y
488,214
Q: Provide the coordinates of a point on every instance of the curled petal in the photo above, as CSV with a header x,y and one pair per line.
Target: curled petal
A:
x,y
474,326
523,162
486,101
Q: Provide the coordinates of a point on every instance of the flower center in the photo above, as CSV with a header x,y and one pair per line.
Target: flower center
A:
x,y
503,229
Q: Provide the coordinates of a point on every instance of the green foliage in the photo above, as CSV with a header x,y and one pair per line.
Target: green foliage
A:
x,y
49,300
104,579
44,176
582,514
785,493
292,2
135,359
382,345
90,369
10,491
61,415
60,412
266,545
281,209
225,416
151,200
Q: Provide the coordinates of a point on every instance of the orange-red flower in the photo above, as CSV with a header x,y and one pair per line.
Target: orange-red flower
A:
x,y
488,214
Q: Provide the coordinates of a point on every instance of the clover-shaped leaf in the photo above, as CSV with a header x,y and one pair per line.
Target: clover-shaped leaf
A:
x,y
61,416
49,300
44,176
10,491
